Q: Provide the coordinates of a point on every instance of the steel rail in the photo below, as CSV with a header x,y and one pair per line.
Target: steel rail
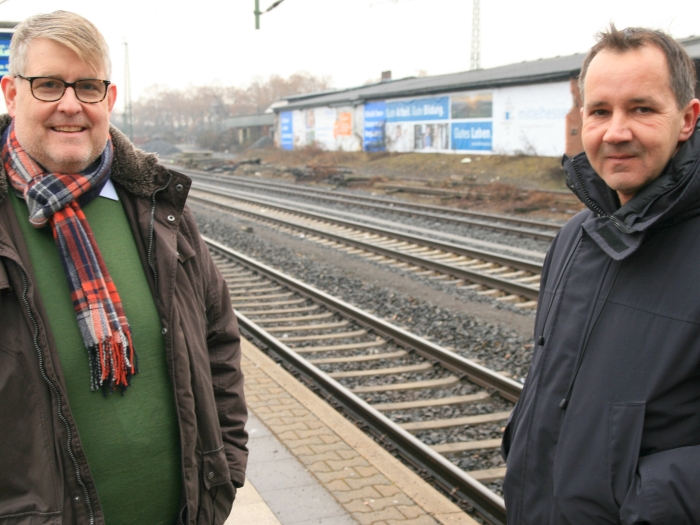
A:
x,y
412,209
483,376
452,479
512,287
268,184
505,260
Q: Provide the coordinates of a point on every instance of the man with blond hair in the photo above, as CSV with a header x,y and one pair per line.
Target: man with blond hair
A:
x,y
121,392
607,429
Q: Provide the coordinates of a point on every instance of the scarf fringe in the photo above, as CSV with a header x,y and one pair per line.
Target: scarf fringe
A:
x,y
112,363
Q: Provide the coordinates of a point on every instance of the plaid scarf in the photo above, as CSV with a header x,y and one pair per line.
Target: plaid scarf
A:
x,y
55,198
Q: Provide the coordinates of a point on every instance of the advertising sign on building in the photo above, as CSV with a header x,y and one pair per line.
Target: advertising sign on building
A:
x,y
325,122
286,130
472,121
437,108
527,119
5,37
472,136
375,120
471,105
531,119
343,124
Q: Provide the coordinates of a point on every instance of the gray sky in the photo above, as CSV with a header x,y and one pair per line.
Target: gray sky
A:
x,y
180,43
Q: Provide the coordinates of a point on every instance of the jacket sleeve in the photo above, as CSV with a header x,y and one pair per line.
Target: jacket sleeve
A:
x,y
224,346
665,489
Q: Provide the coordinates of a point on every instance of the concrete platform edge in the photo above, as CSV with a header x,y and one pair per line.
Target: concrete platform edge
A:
x,y
426,497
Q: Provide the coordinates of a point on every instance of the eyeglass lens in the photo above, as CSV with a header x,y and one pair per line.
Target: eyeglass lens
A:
x,y
52,89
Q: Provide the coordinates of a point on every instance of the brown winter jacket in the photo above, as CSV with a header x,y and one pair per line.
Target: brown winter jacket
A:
x,y
44,474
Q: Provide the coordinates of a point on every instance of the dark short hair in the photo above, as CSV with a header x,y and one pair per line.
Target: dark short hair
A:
x,y
681,68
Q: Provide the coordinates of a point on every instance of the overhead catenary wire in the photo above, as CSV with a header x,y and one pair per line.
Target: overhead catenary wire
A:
x,y
257,11
275,4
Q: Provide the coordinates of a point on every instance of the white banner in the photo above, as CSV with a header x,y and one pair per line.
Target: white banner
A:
x,y
531,120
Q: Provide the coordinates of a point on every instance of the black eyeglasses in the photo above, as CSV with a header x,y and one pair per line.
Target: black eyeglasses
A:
x,y
49,89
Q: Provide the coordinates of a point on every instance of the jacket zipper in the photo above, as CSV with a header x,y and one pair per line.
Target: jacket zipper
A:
x,y
593,206
594,319
151,237
556,287
59,400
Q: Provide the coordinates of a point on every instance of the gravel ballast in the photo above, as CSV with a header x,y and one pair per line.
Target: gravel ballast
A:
x,y
496,346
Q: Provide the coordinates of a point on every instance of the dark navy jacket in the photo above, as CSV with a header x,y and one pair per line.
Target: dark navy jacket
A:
x,y
607,429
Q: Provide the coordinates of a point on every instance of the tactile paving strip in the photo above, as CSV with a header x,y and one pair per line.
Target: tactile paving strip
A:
x,y
372,485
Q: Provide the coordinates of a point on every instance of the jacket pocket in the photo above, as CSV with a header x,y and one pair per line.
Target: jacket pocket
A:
x,y
32,518
625,437
215,468
28,477
217,491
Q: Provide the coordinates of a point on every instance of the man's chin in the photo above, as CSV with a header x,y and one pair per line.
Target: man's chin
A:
x,y
66,164
66,161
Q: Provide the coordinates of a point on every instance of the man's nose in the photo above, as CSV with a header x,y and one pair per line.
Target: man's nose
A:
x,y
69,103
618,128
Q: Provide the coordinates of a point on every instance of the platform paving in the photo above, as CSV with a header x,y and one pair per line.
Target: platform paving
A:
x,y
312,466
250,509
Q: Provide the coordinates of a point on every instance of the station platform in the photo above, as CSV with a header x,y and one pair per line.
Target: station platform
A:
x,y
309,465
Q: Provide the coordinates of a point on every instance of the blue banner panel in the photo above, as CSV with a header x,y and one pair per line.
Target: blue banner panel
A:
x,y
375,119
437,108
472,136
5,38
286,130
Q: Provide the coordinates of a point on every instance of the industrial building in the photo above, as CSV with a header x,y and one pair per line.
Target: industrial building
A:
x,y
530,108
249,128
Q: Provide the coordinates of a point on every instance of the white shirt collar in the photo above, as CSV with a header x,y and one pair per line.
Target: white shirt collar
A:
x,y
108,191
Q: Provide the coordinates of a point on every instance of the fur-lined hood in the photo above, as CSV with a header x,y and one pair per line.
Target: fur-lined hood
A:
x,y
133,168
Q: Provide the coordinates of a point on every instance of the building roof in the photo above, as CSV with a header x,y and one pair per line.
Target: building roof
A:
x,y
250,121
536,71
692,46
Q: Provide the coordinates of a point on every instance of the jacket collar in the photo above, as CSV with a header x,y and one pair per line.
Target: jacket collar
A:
x,y
137,171
620,230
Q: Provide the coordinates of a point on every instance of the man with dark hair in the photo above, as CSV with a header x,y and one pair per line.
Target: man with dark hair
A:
x,y
607,429
121,391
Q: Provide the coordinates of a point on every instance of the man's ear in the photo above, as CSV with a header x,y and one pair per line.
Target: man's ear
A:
x,y
9,89
111,96
690,117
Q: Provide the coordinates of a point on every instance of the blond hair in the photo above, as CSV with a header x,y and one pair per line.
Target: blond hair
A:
x,y
68,29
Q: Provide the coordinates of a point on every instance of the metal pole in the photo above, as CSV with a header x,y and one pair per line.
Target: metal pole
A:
x,y
476,36
128,113
257,14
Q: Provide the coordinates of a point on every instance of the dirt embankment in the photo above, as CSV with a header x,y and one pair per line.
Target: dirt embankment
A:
x,y
517,185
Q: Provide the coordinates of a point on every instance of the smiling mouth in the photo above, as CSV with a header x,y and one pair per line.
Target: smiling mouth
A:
x,y
68,129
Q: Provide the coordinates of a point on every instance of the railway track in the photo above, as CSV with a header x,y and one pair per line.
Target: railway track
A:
x,y
507,278
435,409
535,229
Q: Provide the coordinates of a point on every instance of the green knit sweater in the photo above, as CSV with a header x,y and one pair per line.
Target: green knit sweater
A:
x,y
131,441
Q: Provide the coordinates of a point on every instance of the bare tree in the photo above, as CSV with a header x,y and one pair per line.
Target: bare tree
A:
x,y
184,114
